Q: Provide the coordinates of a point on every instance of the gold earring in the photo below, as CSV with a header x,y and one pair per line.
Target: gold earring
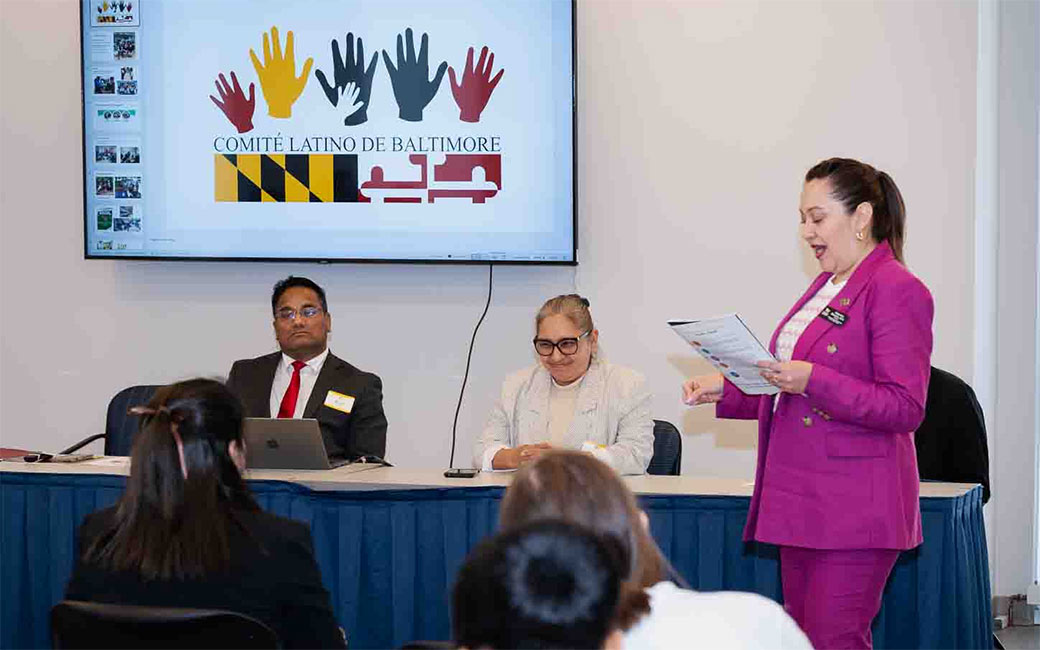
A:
x,y
859,236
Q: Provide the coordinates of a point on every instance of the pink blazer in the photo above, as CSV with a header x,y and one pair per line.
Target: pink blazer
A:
x,y
836,466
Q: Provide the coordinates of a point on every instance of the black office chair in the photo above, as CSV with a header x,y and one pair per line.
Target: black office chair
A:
x,y
951,441
80,624
667,459
120,425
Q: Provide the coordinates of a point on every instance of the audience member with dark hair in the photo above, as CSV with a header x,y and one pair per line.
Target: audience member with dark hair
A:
x,y
575,487
188,533
305,380
545,585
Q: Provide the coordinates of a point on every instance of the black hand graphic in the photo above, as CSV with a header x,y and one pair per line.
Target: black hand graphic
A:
x,y
412,88
351,70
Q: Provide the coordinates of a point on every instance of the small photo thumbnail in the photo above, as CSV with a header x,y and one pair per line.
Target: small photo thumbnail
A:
x,y
128,187
126,87
115,117
126,73
104,85
129,155
104,218
104,185
124,45
105,154
104,245
129,219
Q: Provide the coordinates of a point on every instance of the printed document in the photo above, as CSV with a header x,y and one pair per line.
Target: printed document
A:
x,y
729,345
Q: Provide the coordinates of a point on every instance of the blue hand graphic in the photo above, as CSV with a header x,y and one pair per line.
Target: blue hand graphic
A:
x,y
413,89
352,71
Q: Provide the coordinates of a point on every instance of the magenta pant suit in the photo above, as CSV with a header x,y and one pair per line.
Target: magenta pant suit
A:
x,y
836,484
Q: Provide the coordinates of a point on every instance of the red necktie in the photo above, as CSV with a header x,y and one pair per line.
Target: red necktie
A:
x,y
288,407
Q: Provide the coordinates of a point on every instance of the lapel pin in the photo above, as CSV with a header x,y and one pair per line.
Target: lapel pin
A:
x,y
831,349
845,302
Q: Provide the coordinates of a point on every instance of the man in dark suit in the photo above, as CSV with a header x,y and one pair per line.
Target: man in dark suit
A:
x,y
305,380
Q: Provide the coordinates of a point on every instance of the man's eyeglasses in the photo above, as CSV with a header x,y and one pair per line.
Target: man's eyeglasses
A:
x,y
288,313
567,347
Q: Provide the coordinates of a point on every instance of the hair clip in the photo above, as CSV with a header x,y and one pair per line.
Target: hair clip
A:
x,y
147,410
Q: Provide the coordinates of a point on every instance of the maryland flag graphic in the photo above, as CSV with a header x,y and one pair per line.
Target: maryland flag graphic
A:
x,y
286,178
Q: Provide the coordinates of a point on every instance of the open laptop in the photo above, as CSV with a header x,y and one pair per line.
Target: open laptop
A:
x,y
284,443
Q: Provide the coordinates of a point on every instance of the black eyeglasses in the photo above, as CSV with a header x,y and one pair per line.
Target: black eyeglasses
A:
x,y
288,313
567,347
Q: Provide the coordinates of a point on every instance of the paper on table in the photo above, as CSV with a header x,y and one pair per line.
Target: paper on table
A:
x,y
728,344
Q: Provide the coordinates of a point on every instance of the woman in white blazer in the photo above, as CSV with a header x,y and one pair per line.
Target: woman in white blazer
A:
x,y
570,400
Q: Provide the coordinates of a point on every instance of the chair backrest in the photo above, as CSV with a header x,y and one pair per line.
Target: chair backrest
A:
x,y
667,449
120,426
951,441
80,624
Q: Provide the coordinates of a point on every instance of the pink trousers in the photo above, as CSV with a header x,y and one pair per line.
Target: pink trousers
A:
x,y
834,595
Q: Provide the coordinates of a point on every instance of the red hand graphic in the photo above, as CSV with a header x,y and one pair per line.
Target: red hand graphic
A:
x,y
233,102
473,93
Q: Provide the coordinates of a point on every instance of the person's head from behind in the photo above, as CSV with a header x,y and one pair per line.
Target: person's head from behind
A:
x,y
173,519
548,584
847,207
565,337
301,317
574,487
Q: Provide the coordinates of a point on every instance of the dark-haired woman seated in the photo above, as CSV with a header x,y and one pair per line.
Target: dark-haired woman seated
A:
x,y
187,532
549,584
571,399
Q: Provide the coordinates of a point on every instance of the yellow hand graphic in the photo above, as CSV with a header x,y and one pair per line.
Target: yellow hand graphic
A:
x,y
278,80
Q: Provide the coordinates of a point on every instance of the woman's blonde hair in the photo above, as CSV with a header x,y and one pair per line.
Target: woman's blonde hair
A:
x,y
571,305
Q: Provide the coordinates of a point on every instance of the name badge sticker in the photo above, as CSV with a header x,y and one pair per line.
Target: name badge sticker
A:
x,y
833,316
339,401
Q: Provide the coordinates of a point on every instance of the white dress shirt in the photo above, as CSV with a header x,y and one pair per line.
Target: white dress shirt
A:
x,y
283,375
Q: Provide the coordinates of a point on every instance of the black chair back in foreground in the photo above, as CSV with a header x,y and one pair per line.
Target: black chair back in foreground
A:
x,y
667,457
80,624
120,425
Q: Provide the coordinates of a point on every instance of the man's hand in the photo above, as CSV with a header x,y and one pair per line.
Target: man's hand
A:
x,y
351,71
473,93
277,74
234,104
413,89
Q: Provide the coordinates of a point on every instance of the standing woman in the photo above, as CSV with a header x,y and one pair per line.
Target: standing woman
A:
x,y
570,399
836,484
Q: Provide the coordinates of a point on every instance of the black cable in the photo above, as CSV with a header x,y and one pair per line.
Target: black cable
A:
x,y
469,355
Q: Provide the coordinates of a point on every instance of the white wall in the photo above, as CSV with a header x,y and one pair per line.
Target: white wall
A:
x,y
697,121
1013,213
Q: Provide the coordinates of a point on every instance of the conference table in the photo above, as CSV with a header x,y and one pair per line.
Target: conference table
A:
x,y
389,542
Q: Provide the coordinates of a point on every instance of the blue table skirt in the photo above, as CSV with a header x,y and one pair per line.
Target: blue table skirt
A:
x,y
388,557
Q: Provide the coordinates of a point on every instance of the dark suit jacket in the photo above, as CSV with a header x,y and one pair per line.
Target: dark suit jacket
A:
x,y
362,432
951,442
273,578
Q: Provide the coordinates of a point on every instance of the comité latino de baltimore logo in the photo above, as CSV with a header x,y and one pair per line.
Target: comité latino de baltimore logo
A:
x,y
291,171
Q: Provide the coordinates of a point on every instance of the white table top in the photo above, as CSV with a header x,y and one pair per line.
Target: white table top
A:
x,y
375,477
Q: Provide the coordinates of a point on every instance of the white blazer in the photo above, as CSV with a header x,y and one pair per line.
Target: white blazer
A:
x,y
613,409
